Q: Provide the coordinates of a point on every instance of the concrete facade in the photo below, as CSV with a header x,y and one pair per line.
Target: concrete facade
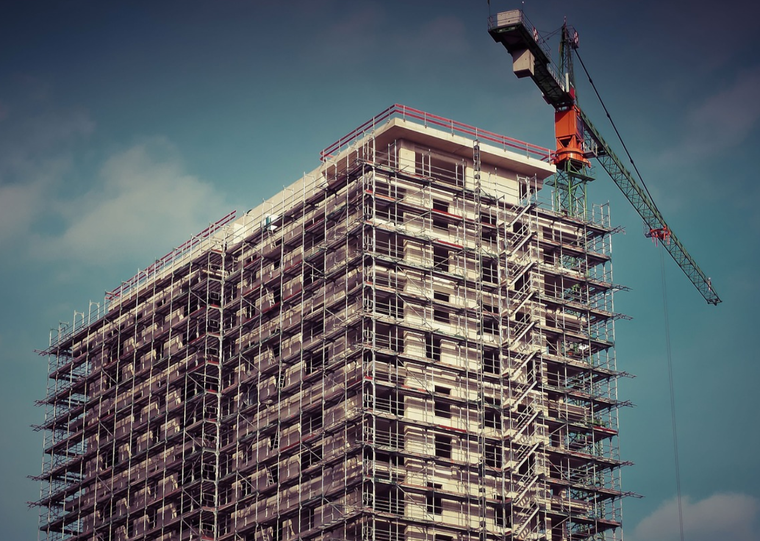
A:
x,y
401,345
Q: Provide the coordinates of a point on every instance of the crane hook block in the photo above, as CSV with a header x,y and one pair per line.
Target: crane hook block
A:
x,y
662,234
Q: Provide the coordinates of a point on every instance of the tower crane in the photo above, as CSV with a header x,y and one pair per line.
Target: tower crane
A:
x,y
578,140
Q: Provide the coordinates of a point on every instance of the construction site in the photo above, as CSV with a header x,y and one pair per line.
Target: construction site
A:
x,y
404,344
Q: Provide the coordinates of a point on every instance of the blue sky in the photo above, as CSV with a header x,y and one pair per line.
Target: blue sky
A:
x,y
126,127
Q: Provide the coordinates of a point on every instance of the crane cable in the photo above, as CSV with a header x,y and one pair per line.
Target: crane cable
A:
x,y
614,127
665,309
672,392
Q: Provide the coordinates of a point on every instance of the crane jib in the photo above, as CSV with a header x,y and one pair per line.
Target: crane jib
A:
x,y
649,212
531,58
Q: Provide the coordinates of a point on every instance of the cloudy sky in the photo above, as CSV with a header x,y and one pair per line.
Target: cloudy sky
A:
x,y
127,126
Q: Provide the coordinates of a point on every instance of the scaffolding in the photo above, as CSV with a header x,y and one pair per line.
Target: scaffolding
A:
x,y
403,345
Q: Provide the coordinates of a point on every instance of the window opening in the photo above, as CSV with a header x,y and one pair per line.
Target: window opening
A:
x,y
432,347
441,408
442,446
433,500
441,258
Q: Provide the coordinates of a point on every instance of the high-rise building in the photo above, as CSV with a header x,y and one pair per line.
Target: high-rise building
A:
x,y
402,345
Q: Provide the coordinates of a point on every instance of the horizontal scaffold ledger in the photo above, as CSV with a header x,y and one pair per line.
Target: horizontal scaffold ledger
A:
x,y
405,344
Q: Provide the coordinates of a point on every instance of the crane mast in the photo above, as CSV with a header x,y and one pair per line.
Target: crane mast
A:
x,y
578,140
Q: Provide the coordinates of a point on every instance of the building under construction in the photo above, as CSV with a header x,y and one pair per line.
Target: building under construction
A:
x,y
402,345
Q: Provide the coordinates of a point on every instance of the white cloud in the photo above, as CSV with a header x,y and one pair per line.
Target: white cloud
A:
x,y
142,202
35,154
18,204
138,205
720,122
724,516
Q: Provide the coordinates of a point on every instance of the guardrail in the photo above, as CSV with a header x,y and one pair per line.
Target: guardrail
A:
x,y
169,259
184,250
429,120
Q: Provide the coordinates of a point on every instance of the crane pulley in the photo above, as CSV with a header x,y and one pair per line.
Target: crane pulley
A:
x,y
578,140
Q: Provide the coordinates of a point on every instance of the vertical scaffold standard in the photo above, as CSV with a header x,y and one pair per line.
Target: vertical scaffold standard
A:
x,y
405,344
